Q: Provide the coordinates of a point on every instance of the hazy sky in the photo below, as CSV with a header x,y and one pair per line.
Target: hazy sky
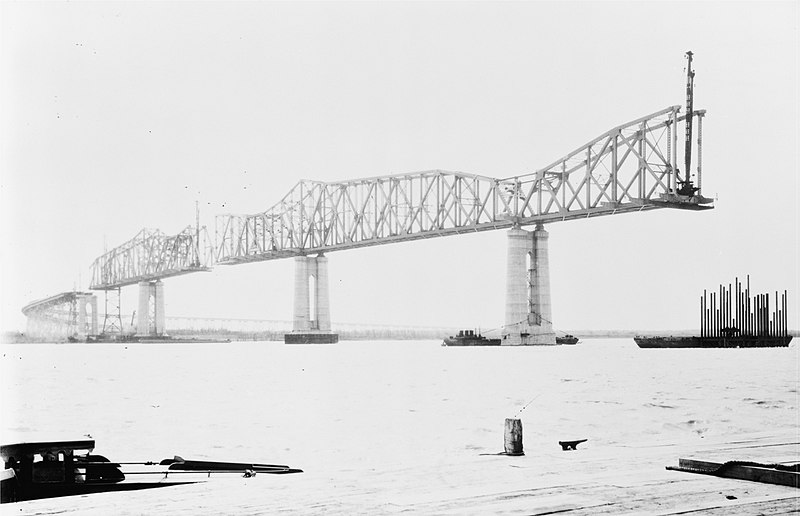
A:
x,y
117,116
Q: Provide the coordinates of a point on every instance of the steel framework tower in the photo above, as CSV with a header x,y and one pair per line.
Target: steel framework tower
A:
x,y
144,260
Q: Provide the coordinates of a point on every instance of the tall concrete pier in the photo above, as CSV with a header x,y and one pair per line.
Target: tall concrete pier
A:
x,y
528,313
150,317
87,319
312,313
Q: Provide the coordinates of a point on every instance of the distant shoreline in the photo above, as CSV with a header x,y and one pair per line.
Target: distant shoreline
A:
x,y
13,337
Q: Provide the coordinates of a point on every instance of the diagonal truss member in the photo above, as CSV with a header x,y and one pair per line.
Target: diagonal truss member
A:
x,y
151,255
632,167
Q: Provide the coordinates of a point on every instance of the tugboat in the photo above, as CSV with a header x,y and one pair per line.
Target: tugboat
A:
x,y
64,468
567,339
469,338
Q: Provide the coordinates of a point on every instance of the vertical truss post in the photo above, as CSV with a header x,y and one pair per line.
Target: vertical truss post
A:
x,y
539,193
588,177
640,138
615,168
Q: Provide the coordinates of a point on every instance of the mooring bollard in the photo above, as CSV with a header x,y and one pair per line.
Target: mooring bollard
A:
x,y
514,437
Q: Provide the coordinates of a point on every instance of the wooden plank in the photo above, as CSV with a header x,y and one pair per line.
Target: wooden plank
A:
x,y
752,472
608,479
776,507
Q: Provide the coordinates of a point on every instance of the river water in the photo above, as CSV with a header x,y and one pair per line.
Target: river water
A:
x,y
371,405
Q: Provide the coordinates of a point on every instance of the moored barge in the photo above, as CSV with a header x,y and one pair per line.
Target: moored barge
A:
x,y
731,318
743,341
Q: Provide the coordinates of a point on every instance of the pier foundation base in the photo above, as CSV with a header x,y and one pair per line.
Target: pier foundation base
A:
x,y
322,337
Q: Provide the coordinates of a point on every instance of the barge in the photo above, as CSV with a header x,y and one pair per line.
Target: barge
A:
x,y
732,318
567,339
743,341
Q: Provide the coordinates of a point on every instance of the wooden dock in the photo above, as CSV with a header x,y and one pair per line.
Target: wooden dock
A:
x,y
620,479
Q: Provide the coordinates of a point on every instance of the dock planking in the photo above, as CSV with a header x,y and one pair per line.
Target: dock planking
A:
x,y
598,479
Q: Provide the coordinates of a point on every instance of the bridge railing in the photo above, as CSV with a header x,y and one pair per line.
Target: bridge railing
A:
x,y
632,167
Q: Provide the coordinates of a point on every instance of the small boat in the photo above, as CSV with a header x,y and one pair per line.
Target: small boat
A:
x,y
567,339
65,468
469,338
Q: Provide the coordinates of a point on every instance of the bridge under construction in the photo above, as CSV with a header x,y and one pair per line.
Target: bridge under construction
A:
x,y
633,167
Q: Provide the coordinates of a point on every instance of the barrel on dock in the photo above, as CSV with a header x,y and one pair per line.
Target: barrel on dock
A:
x,y
513,434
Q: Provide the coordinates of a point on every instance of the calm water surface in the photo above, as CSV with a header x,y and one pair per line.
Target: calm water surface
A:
x,y
363,404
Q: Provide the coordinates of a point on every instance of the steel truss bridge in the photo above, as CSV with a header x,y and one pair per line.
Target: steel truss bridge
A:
x,y
630,168
152,255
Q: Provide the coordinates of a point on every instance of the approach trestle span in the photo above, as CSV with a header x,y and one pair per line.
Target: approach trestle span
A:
x,y
632,167
63,315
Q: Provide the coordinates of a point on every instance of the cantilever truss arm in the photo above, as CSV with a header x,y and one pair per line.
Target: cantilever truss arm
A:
x,y
152,255
632,167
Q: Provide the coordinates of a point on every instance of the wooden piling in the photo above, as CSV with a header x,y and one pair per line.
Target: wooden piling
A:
x,y
513,437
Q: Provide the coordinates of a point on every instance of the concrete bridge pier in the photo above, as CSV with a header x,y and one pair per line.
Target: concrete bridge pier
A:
x,y
150,317
312,314
87,327
322,297
528,312
301,321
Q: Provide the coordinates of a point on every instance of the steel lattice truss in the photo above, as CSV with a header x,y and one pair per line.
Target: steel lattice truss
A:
x,y
152,255
632,167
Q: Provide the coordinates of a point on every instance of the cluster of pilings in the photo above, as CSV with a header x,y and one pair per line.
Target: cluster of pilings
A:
x,y
732,311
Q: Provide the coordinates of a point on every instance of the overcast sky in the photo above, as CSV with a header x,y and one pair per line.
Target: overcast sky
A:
x,y
117,116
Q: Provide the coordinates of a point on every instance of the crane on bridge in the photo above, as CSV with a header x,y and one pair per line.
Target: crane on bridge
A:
x,y
687,187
